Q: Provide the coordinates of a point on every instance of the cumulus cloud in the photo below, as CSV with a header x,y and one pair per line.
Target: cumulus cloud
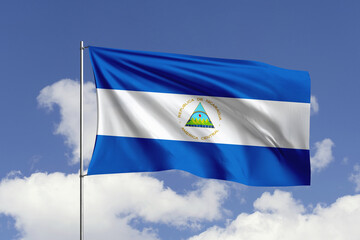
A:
x,y
280,216
323,155
314,105
13,174
46,206
65,95
355,177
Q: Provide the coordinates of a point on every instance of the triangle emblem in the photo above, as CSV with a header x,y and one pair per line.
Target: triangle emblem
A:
x,y
199,118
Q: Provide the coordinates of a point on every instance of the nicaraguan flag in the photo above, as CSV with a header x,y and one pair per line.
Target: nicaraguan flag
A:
x,y
235,120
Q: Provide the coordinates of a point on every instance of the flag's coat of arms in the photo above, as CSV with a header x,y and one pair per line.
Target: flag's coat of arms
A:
x,y
236,120
197,124
199,118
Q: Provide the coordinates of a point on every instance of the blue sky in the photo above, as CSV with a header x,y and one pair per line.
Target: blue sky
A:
x,y
40,72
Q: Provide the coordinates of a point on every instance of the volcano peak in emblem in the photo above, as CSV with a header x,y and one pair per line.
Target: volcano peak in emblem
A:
x,y
199,118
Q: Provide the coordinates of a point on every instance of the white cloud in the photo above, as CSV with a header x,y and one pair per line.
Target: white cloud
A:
x,y
323,155
34,160
355,177
46,206
65,94
13,174
280,216
314,105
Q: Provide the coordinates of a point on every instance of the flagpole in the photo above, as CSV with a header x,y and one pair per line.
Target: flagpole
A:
x,y
81,143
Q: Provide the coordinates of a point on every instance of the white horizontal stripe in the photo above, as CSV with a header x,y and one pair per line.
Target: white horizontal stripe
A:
x,y
236,121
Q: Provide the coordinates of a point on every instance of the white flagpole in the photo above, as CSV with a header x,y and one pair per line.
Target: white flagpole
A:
x,y
81,144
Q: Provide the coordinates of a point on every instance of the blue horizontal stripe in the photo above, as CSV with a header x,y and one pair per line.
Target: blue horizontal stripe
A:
x,y
250,165
183,74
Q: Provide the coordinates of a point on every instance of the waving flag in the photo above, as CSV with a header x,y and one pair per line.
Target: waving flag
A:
x,y
242,121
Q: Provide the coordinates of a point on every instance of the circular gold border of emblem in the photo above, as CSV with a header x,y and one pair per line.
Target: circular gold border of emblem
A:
x,y
200,99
